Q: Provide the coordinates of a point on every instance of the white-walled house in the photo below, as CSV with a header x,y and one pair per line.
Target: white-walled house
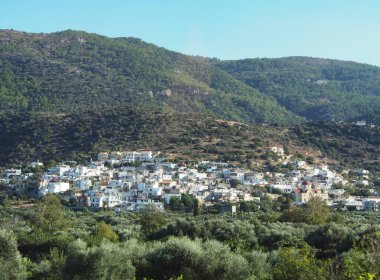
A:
x,y
135,156
155,191
12,172
353,202
111,199
96,200
57,187
145,155
371,203
54,187
82,184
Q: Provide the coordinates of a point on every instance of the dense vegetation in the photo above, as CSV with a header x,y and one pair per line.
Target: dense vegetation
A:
x,y
66,95
67,71
350,145
51,138
318,89
50,242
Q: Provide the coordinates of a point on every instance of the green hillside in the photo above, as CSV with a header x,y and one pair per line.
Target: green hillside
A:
x,y
72,71
70,94
317,89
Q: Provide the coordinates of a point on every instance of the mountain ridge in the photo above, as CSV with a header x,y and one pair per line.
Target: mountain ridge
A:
x,y
317,89
60,92
132,71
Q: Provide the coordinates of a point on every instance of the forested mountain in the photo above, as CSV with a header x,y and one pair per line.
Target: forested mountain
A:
x,y
317,89
72,71
69,94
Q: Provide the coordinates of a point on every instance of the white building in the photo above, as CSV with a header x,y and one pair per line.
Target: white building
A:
x,y
371,203
54,187
353,202
82,184
57,187
134,156
12,172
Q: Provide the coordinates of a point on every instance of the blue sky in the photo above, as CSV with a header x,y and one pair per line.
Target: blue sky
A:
x,y
226,29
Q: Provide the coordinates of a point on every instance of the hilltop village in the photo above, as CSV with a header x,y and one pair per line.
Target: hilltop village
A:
x,y
133,180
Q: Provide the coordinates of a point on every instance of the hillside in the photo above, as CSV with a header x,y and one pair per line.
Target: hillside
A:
x,y
71,70
33,136
68,71
317,89
69,94
37,136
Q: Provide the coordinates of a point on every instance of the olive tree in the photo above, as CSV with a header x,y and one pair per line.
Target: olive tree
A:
x,y
10,259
